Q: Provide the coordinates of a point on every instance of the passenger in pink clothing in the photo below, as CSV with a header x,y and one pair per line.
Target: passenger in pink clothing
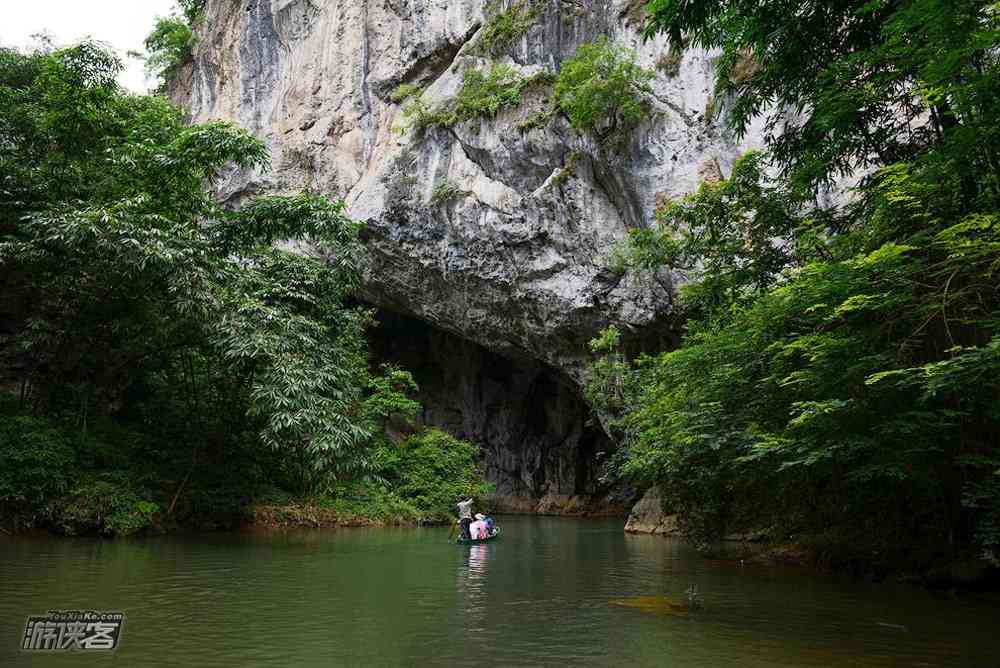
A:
x,y
478,528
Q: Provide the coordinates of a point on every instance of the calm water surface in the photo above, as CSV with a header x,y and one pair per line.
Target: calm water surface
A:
x,y
541,595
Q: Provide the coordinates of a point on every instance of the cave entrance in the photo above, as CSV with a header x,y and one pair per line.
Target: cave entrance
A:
x,y
541,446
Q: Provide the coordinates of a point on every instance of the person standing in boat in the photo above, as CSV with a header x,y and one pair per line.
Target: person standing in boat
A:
x,y
465,517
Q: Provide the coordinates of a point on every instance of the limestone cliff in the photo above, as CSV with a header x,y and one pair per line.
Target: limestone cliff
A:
x,y
515,262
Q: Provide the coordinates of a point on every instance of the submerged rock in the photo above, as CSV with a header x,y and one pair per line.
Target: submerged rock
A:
x,y
656,605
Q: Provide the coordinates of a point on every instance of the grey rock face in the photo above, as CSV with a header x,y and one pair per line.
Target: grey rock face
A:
x,y
518,262
647,516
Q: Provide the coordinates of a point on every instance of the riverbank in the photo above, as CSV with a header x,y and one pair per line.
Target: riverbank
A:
x,y
967,572
334,515
872,561
331,513
115,479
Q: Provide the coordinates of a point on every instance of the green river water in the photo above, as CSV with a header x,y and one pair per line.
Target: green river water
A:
x,y
550,591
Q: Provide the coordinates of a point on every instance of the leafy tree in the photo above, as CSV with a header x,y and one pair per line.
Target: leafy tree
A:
x,y
105,503
36,465
871,82
602,87
191,9
133,294
733,234
422,475
168,46
837,378
435,469
609,377
417,473
852,395
172,40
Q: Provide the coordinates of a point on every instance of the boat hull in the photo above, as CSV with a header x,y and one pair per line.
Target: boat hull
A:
x,y
473,541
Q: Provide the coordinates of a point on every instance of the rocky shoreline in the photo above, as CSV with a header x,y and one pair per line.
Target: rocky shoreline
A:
x,y
970,572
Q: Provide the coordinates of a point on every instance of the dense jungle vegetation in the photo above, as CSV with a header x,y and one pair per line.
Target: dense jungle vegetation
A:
x,y
839,382
163,360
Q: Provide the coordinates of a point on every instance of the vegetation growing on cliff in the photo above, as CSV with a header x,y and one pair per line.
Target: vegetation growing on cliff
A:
x,y
172,41
191,9
602,89
165,368
444,192
405,91
839,377
168,47
482,95
504,27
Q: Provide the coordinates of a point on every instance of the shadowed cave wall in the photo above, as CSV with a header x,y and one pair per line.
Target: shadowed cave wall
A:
x,y
542,448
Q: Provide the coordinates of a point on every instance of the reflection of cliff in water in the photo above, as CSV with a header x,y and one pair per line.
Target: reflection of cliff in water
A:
x,y
544,451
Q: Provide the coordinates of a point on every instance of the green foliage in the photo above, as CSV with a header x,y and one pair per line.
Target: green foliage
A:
x,y
482,95
876,81
444,192
538,120
415,477
405,91
860,376
504,27
191,9
389,399
734,231
45,480
169,46
374,505
838,378
602,89
418,116
608,382
36,466
419,479
224,361
171,43
106,504
432,471
309,361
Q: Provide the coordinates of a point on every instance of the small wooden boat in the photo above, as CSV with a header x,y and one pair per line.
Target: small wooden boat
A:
x,y
493,534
